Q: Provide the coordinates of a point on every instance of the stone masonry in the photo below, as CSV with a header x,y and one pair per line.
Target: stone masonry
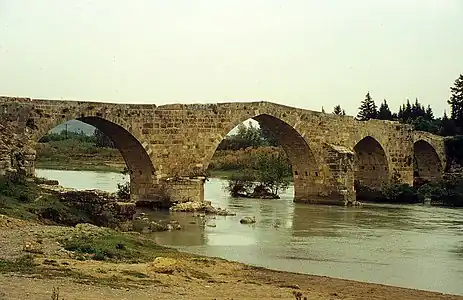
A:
x,y
168,148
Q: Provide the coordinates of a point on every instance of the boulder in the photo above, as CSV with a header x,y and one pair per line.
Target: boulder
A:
x,y
164,265
248,220
204,207
262,192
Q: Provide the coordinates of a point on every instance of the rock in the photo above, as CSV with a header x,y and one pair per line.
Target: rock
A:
x,y
158,226
354,203
164,265
189,207
45,181
224,212
248,220
33,247
204,207
262,192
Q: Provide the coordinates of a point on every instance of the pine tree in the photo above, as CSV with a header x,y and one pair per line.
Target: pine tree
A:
x,y
102,140
429,114
417,110
338,111
407,111
456,101
447,127
367,109
400,114
384,112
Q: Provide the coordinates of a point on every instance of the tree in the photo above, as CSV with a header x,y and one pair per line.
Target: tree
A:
x,y
456,101
367,109
339,111
384,112
273,172
417,110
245,137
268,137
448,127
102,140
429,114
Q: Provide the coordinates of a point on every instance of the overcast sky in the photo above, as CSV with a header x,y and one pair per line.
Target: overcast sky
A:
x,y
300,53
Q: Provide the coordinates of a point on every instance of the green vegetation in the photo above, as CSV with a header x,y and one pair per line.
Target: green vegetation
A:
x,y
24,264
22,198
115,246
417,115
123,190
77,151
265,174
447,192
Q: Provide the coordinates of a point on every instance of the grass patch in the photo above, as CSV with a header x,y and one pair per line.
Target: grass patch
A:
x,y
99,166
23,264
77,154
115,246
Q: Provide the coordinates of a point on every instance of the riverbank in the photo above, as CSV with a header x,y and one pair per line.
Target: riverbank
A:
x,y
82,155
161,273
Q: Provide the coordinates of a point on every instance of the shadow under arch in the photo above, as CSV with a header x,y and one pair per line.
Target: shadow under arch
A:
x,y
426,163
371,164
137,160
305,168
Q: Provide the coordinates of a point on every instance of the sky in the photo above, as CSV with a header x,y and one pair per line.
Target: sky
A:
x,y
301,53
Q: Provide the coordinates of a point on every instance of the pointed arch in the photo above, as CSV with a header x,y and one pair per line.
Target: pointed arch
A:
x,y
135,154
305,169
371,164
426,163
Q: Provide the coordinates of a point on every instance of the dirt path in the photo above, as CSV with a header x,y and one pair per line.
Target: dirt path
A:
x,y
181,276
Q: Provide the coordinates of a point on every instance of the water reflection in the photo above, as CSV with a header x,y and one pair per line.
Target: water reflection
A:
x,y
410,246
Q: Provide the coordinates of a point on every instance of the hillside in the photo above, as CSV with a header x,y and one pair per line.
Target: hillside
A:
x,y
74,126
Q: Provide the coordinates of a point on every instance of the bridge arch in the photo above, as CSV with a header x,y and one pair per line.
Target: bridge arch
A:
x,y
427,165
134,152
305,168
371,166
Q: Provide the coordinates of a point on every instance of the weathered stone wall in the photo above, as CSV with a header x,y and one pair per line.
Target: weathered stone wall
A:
x,y
178,141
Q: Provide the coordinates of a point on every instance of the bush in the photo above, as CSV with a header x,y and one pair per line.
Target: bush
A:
x,y
401,193
392,192
23,264
50,208
114,246
272,172
123,191
240,184
268,172
447,192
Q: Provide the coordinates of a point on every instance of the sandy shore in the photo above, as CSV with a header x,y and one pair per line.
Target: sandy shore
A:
x,y
174,276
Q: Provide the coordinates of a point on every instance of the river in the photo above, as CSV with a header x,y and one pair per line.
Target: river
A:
x,y
409,246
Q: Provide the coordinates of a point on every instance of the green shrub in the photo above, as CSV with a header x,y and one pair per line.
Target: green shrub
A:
x,y
123,191
401,193
114,246
50,208
389,193
23,264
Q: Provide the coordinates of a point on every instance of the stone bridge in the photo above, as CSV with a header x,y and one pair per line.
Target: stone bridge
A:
x,y
169,147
